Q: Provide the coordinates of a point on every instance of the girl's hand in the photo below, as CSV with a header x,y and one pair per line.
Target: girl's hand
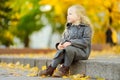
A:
x,y
66,44
60,46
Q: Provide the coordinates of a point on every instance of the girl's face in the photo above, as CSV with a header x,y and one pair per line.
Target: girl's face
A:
x,y
72,16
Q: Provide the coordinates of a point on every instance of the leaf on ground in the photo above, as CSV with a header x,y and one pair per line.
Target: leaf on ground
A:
x,y
32,74
34,69
44,67
79,77
65,77
17,63
10,65
27,66
100,79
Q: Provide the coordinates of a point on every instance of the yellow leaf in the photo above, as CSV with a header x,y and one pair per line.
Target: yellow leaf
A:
x,y
43,76
32,74
114,36
27,66
17,63
83,79
44,67
100,79
10,65
58,9
64,77
34,69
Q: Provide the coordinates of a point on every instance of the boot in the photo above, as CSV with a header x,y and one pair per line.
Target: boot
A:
x,y
63,71
48,72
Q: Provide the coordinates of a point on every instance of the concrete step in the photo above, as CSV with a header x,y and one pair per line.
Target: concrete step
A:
x,y
32,61
31,78
104,68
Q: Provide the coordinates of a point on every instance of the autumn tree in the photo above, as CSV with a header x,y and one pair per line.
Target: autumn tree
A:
x,y
28,18
101,13
6,36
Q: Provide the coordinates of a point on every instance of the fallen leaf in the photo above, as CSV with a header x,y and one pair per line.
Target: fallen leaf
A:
x,y
44,67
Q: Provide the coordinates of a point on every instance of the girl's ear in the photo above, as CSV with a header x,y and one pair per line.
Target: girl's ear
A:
x,y
79,18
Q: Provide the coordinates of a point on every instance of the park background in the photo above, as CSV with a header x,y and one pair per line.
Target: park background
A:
x,y
29,29
40,23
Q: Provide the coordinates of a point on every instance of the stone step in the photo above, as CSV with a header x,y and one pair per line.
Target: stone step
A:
x,y
31,78
104,68
32,61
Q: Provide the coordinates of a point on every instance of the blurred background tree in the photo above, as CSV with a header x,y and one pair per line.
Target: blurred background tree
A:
x,y
28,19
102,13
20,18
5,12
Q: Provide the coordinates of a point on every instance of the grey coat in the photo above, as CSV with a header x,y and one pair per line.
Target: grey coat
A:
x,y
80,38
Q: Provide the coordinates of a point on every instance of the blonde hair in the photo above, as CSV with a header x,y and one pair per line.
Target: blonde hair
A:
x,y
80,10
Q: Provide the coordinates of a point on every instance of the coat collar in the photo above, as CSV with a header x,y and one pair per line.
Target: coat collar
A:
x,y
68,25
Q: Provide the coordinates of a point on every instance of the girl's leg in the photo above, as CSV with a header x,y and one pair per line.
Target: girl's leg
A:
x,y
50,69
69,56
58,60
68,59
73,54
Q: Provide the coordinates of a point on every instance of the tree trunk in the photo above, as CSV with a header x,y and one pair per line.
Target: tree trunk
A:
x,y
26,41
110,17
7,44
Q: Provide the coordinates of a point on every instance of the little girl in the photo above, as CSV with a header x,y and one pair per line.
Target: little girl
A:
x,y
75,43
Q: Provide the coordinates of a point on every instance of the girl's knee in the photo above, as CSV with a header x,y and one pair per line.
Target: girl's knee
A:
x,y
69,49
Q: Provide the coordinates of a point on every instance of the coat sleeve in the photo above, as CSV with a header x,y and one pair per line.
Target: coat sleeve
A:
x,y
84,41
62,40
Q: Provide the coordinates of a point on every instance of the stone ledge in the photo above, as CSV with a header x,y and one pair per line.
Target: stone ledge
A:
x,y
30,78
104,68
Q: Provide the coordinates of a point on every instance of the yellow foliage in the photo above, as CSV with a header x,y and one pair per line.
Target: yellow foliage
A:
x,y
8,35
43,76
8,3
100,79
27,66
44,67
17,63
114,36
34,69
21,66
98,12
10,65
58,9
13,23
65,77
29,5
79,77
98,37
107,3
44,2
3,64
17,15
32,74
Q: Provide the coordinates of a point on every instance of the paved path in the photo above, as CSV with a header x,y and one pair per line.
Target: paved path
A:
x,y
16,74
